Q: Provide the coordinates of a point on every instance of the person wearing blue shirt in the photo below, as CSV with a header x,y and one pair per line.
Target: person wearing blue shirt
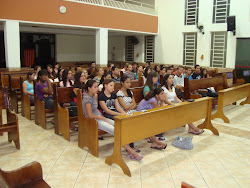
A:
x,y
188,73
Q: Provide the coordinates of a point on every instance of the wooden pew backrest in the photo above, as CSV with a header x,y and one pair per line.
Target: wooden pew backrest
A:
x,y
218,82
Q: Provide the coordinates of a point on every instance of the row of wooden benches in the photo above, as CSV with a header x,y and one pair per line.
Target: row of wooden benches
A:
x,y
126,133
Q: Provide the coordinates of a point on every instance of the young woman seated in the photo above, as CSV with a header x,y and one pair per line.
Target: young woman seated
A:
x,y
28,88
125,96
152,100
80,81
51,74
171,98
66,79
99,73
104,77
151,82
138,72
44,89
127,100
90,109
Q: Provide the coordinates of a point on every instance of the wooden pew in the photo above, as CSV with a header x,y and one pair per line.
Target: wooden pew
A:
x,y
218,82
229,96
14,89
138,94
30,175
40,111
135,83
4,74
87,129
131,128
25,102
62,125
12,121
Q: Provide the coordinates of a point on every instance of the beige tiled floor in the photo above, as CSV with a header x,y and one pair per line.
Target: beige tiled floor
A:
x,y
222,161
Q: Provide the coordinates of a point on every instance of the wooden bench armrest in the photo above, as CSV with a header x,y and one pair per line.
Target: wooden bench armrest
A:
x,y
24,175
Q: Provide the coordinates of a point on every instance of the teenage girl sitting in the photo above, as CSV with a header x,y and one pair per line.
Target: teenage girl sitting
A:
x,y
90,109
152,100
171,98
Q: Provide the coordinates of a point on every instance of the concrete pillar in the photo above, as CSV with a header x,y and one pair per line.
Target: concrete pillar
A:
x,y
102,47
12,44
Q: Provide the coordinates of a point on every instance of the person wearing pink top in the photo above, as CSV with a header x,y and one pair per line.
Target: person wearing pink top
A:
x,y
66,79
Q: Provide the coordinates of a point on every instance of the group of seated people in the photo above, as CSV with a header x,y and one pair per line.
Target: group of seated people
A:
x,y
101,103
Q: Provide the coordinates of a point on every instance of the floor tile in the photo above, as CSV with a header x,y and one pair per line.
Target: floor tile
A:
x,y
125,182
196,182
184,171
221,182
91,182
61,181
157,182
215,171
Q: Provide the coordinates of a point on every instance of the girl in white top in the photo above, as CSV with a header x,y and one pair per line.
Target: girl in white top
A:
x,y
169,90
66,76
125,96
171,97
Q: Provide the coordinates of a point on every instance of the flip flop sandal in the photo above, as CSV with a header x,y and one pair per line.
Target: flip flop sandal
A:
x,y
196,133
139,158
159,147
131,156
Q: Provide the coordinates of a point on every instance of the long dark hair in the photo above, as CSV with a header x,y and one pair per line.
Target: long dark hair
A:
x,y
77,83
202,73
53,73
41,73
59,76
146,71
123,79
104,76
64,77
29,74
153,93
165,81
149,81
89,83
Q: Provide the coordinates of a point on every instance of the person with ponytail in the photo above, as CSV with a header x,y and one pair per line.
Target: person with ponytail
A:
x,y
104,77
80,81
90,110
66,79
151,83
44,90
127,100
28,88
108,101
152,100
125,96
171,98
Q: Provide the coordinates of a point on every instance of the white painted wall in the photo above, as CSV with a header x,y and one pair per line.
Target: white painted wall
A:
x,y
169,43
75,48
116,46
139,50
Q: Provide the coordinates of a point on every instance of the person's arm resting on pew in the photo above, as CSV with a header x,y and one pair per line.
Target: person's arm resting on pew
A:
x,y
108,111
